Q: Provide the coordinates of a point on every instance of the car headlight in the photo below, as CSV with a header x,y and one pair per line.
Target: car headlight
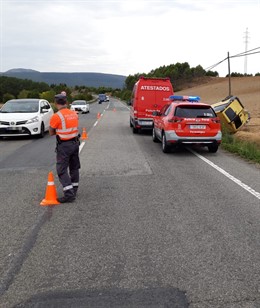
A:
x,y
33,120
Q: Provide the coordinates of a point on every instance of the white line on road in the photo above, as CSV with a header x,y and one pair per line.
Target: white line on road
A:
x,y
124,105
228,175
81,146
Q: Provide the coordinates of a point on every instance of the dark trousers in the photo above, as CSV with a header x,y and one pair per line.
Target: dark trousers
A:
x,y
68,165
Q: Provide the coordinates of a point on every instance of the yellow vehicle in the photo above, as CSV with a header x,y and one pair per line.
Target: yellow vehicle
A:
x,y
232,113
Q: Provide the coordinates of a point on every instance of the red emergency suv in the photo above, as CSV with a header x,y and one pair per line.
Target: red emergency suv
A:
x,y
186,121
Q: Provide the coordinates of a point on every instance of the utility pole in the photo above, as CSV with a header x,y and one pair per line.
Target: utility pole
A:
x,y
246,45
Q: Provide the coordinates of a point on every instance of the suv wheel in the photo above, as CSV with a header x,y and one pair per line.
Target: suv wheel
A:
x,y
135,130
165,146
155,139
213,148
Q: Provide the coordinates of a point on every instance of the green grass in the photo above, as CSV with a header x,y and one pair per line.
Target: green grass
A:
x,y
245,149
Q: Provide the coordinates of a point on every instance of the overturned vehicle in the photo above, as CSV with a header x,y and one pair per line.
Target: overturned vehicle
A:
x,y
232,113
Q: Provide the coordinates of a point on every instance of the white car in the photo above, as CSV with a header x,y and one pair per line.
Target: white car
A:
x,y
80,105
25,117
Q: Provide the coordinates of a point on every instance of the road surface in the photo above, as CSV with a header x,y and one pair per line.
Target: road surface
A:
x,y
148,229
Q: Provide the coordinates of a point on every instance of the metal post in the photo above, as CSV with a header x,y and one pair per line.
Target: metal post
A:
x,y
229,77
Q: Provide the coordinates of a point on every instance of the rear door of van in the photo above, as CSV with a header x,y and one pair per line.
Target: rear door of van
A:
x,y
150,95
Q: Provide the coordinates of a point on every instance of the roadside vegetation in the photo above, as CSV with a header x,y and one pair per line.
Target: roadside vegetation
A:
x,y
248,150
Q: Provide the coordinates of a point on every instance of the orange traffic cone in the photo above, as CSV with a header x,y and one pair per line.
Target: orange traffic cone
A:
x,y
98,115
51,194
84,134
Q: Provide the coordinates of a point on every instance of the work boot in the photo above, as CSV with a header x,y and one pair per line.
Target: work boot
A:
x,y
75,189
66,199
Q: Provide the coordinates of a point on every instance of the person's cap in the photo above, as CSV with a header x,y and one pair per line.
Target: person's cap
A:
x,y
60,99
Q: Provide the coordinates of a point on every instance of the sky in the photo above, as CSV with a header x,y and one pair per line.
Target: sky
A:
x,y
127,37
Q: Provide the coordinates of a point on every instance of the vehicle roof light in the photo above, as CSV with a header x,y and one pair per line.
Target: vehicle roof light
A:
x,y
184,98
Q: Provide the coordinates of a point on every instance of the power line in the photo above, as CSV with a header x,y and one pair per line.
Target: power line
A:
x,y
214,65
241,54
251,53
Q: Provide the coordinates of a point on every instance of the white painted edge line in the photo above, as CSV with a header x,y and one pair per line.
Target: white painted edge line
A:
x,y
123,105
81,146
228,175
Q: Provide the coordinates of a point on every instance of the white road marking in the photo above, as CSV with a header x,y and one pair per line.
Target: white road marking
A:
x,y
81,146
124,105
228,175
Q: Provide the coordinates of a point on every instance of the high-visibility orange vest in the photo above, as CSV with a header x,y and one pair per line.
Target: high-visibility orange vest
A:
x,y
65,122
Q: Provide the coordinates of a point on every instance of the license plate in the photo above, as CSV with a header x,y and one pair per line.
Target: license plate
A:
x,y
146,123
197,126
14,128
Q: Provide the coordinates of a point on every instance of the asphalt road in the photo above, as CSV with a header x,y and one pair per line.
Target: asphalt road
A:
x,y
148,229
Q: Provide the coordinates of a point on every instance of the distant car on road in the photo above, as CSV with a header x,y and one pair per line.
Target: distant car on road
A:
x,y
186,121
80,105
107,98
25,117
102,98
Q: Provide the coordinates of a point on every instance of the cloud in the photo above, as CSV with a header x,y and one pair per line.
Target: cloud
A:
x,y
126,37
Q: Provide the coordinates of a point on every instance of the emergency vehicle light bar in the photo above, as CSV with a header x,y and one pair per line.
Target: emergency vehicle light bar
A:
x,y
184,98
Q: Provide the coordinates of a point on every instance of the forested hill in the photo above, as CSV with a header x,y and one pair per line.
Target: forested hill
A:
x,y
70,79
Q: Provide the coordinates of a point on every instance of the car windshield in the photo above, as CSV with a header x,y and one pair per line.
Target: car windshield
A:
x,y
78,103
198,112
20,107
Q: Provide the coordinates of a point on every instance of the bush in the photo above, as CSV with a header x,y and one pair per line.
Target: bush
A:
x,y
245,149
7,97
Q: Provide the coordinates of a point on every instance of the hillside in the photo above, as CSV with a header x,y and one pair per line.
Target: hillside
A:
x,y
70,79
248,91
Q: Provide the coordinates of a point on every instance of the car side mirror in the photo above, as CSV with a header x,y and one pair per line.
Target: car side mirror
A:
x,y
44,110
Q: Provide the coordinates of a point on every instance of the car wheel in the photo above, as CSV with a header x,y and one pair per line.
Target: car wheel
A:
x,y
165,146
155,139
42,132
213,148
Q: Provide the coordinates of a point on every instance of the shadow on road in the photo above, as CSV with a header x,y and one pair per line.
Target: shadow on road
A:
x,y
120,298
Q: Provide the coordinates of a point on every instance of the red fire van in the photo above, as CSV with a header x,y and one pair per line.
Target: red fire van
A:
x,y
149,95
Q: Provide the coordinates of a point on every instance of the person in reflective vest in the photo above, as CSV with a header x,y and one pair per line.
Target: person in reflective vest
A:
x,y
64,124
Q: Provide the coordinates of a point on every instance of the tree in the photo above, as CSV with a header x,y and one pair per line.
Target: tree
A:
x,y
48,95
23,94
7,97
33,94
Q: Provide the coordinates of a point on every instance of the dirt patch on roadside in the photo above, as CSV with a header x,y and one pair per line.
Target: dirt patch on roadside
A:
x,y
247,89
